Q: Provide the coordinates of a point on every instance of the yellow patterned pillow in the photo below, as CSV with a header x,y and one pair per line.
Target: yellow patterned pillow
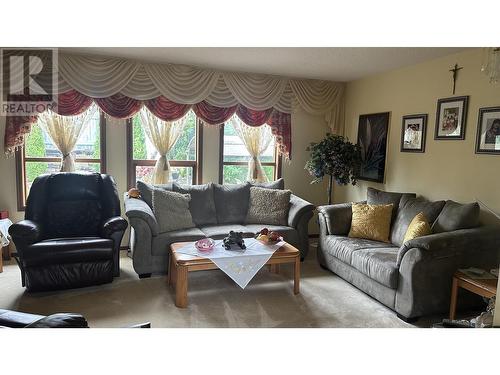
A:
x,y
418,227
371,221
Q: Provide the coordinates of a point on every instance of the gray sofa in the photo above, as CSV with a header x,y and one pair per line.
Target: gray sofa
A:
x,y
216,209
413,278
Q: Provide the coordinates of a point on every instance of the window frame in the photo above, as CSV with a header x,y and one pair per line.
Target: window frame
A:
x,y
278,159
21,160
196,165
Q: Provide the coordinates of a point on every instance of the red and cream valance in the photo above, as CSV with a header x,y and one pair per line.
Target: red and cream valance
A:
x,y
121,87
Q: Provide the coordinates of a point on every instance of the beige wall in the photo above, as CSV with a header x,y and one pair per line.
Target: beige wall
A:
x,y
447,169
305,129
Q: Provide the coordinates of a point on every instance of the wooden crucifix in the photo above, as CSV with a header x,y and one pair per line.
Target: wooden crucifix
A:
x,y
455,73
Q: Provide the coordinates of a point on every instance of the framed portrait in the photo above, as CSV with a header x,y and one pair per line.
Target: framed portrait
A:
x,y
372,139
488,131
451,117
413,133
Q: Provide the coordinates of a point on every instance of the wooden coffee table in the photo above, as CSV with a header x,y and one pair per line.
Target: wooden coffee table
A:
x,y
181,264
484,287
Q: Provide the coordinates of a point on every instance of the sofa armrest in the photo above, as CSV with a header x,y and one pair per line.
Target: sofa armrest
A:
x,y
298,207
113,225
449,244
25,233
136,208
337,218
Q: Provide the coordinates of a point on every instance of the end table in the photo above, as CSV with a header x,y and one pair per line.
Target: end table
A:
x,y
484,287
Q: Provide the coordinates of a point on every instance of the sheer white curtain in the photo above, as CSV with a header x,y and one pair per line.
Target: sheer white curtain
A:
x,y
163,135
256,141
64,132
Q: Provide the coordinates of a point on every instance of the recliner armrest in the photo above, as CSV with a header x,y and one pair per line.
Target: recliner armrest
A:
x,y
298,207
25,233
113,225
136,208
484,238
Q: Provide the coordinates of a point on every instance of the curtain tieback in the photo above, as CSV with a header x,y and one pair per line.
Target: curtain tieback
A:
x,y
165,165
66,155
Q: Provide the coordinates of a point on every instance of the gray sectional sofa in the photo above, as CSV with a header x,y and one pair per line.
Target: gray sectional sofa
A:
x,y
413,278
216,209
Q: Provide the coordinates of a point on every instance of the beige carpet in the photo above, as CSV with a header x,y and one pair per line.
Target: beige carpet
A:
x,y
215,300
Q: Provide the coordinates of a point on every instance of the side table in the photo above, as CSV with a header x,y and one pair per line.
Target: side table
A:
x,y
484,287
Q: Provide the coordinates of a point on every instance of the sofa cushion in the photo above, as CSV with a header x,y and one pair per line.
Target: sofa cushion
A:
x,y
342,247
68,250
408,209
146,191
202,204
220,231
231,202
278,184
375,196
268,206
372,222
456,216
161,243
418,227
378,264
171,210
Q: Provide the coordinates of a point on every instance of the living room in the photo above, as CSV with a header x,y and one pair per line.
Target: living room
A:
x,y
248,187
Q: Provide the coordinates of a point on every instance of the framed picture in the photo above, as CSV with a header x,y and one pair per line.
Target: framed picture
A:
x,y
413,133
372,139
488,131
451,117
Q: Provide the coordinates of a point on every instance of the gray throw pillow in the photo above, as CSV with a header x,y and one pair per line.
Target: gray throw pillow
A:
x,y
408,209
456,216
268,206
231,202
146,191
278,184
171,210
202,205
375,196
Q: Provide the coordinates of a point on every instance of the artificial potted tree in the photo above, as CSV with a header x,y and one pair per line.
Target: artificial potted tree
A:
x,y
336,158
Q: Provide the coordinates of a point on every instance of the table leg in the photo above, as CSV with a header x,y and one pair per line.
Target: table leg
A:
x,y
453,302
181,286
296,276
1,262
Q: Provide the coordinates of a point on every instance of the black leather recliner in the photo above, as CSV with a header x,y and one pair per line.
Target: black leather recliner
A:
x,y
71,234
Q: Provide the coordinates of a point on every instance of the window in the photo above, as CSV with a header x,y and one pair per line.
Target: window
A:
x,y
234,158
40,155
184,157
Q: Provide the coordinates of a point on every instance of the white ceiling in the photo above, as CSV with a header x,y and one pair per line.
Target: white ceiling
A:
x,y
336,64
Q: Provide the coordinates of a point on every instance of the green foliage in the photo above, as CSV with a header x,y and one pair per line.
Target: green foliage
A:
x,y
334,156
235,174
139,139
35,147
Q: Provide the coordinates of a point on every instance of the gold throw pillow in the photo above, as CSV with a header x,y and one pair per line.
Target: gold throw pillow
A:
x,y
418,227
371,221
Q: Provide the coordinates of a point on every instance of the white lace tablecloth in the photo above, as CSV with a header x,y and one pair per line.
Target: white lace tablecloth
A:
x,y
241,266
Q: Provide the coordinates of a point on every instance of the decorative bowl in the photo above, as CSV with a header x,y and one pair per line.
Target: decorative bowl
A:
x,y
204,245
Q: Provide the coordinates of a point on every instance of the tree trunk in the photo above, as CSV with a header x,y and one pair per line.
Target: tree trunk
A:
x,y
330,187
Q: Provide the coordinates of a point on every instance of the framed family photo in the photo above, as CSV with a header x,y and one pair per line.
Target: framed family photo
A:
x,y
488,131
451,117
413,133
372,139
